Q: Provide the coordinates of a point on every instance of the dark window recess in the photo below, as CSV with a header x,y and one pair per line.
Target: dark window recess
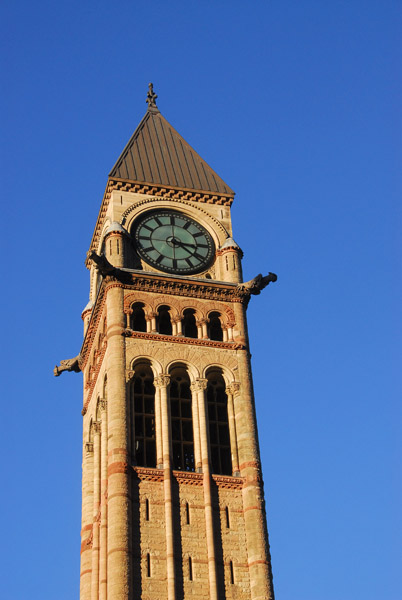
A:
x,y
148,565
143,397
138,322
227,517
231,572
215,328
187,513
182,424
190,569
163,322
218,426
147,509
189,324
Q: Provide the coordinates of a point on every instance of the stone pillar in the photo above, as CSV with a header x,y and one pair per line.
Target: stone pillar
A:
x,y
231,390
103,506
179,327
162,383
86,527
198,388
158,427
119,503
253,499
96,427
204,329
196,430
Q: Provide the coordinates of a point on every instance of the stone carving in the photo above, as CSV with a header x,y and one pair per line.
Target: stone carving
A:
x,y
70,364
162,381
199,385
102,264
151,96
254,286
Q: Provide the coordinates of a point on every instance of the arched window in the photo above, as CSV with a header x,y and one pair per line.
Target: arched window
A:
x,y
182,422
105,388
215,328
218,425
143,401
138,322
164,324
189,324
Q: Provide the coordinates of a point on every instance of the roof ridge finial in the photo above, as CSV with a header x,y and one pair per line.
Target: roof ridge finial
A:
x,y
151,97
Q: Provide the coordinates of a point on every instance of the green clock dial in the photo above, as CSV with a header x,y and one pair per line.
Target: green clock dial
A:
x,y
173,242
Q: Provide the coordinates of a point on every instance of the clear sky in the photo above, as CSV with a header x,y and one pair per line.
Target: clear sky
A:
x,y
295,105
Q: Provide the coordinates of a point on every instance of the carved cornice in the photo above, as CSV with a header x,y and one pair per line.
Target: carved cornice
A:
x,y
144,474
230,483
187,478
162,284
182,340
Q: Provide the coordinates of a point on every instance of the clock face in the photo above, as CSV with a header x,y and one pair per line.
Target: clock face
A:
x,y
172,242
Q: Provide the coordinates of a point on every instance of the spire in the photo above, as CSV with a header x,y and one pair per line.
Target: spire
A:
x,y
157,154
151,97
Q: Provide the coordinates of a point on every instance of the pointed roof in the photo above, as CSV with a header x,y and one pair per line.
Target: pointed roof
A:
x,y
158,155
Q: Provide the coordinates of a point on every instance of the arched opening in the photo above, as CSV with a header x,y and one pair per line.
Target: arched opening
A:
x,y
215,331
181,421
143,410
138,321
219,438
189,323
163,321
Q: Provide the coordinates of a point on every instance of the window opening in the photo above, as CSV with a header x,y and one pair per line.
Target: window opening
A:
x,y
118,247
138,321
231,572
218,425
148,565
164,323
215,327
182,423
227,517
147,509
110,247
189,324
143,393
190,569
187,513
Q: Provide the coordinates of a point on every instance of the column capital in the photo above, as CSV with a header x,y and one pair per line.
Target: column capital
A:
x,y
162,381
233,388
89,447
96,427
199,385
102,405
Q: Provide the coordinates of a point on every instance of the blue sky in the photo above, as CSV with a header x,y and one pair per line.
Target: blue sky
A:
x,y
296,106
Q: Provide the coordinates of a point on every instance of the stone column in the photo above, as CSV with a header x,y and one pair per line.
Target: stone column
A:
x,y
119,502
198,388
86,527
158,427
103,507
162,383
96,427
231,390
253,502
196,429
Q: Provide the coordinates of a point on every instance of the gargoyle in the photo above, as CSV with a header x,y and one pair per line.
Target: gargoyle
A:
x,y
70,364
254,286
103,265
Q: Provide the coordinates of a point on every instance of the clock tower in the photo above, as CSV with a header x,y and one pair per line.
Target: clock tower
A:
x,y
172,492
